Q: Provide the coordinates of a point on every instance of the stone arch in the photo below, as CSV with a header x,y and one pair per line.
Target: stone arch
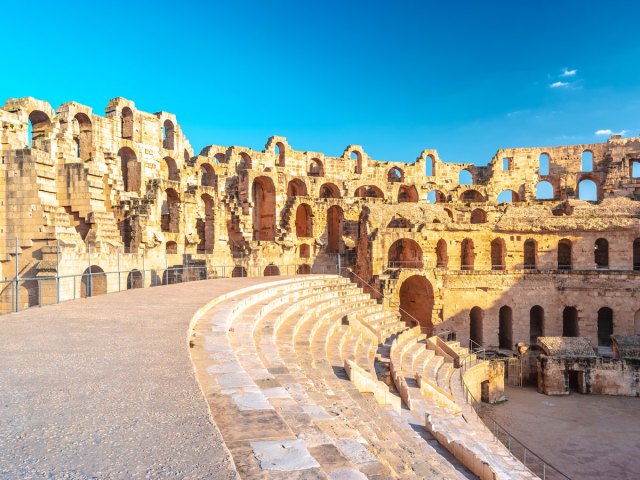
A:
x,y
83,137
264,209
168,135
564,254
316,169
357,156
39,125
208,177
171,248
544,191
126,123
399,222
498,254
449,213
134,279
465,177
467,257
94,282
245,162
281,154
430,166
395,175
329,190
601,253
206,226
335,219
405,253
442,259
586,164
536,324
605,326
478,216
570,322
407,193
296,188
530,254
169,169
304,251
544,162
588,189
416,302
476,317
239,271
471,196
131,170
304,269
368,191
271,270
508,196
304,221
170,216
505,328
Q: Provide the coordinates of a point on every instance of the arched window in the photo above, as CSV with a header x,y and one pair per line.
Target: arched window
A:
x,y
508,196
476,316
168,135
220,158
605,326
465,178
505,328
449,213
206,231
368,191
395,175
39,123
635,168
536,324
126,126
170,220
131,170
601,253
430,166
570,322
498,253
357,156
587,161
134,279
94,282
82,135
478,216
296,188
245,161
416,302
407,194
207,175
335,218
399,222
467,257
544,191
271,270
305,251
264,209
588,190
564,254
470,196
171,248
170,169
280,153
507,164
315,168
239,271
636,254
304,222
530,254
329,190
405,253
442,259
436,196
543,164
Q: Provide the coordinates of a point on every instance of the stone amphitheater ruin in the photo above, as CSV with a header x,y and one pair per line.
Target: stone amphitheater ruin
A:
x,y
388,279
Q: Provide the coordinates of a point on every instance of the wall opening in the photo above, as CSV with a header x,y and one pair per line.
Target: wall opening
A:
x,y
601,253
530,254
296,188
564,254
407,194
264,209
416,302
588,190
505,328
508,196
206,232
636,323
543,164
476,315
131,170
134,279
368,191
39,124
605,326
238,271
478,216
430,166
208,176
467,257
405,253
357,156
570,322
94,282
168,135
536,324
329,190
83,136
465,178
271,271
636,254
126,125
335,219
169,169
442,259
316,168
395,175
304,222
544,191
171,248
471,196
281,154
498,254
587,161
305,251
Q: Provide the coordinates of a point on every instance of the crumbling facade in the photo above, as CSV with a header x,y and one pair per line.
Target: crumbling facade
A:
x,y
91,197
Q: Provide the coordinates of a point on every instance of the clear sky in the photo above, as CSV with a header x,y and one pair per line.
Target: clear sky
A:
x,y
465,78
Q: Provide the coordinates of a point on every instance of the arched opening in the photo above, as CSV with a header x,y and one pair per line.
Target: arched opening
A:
x,y
634,168
271,271
220,158
245,161
399,222
126,125
564,254
636,254
530,254
601,253
587,161
369,191
329,190
395,175
238,271
449,213
304,222
134,279
471,196
170,221
407,194
357,156
171,248
208,176
536,324
304,269
168,135
442,259
39,123
172,275
436,196
588,190
264,209
205,227
476,315
280,154
94,282
465,178
416,302
430,166
544,191
83,135
296,188
605,326
316,169
570,322
505,328
498,254
305,251
131,170
636,323
169,169
543,164
478,216
335,218
508,196
405,253
467,257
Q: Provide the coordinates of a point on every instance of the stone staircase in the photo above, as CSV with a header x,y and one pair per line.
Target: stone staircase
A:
x,y
271,359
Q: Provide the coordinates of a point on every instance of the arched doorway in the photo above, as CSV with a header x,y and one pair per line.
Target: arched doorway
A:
x,y
304,224
564,254
238,271
264,209
601,253
442,259
405,253
605,326
536,324
304,269
467,257
498,253
570,322
475,326
94,282
296,188
416,302
271,271
505,328
636,254
335,218
530,254
134,279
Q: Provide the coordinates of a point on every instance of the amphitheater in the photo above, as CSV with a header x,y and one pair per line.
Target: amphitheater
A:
x,y
348,344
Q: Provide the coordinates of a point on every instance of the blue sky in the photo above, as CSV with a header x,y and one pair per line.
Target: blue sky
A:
x,y
464,78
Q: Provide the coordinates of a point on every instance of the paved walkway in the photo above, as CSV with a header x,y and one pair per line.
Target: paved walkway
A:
x,y
104,388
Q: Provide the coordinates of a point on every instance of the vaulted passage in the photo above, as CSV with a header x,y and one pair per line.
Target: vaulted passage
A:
x,y
405,253
94,282
505,328
570,322
335,218
264,209
416,302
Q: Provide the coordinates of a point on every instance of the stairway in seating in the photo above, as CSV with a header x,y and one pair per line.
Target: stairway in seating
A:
x,y
270,359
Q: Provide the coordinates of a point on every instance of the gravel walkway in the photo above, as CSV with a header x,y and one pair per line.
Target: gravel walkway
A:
x,y
104,388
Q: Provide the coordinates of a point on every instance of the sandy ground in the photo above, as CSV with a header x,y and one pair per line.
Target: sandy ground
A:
x,y
585,436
